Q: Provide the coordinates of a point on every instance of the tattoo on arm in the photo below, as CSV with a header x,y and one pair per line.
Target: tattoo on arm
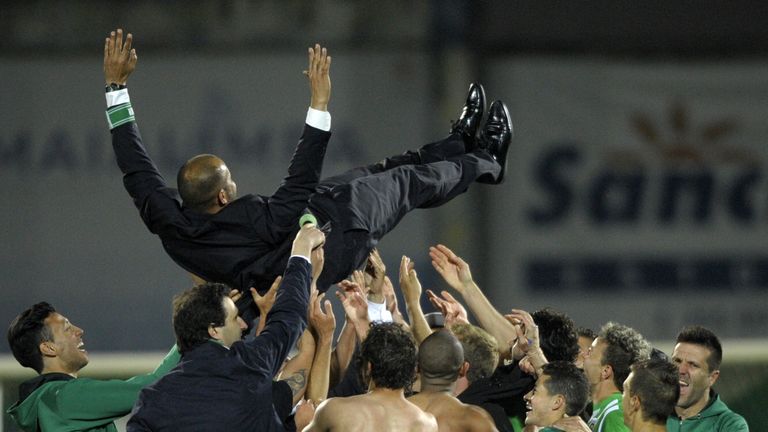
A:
x,y
297,381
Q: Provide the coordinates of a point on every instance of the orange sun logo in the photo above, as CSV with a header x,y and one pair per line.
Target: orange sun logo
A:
x,y
686,143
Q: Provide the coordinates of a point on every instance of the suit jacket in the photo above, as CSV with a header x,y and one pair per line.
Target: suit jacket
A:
x,y
218,389
248,242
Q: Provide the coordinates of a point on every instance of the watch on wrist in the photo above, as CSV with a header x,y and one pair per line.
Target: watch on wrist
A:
x,y
114,87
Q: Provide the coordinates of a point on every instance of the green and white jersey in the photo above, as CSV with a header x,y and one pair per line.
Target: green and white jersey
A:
x,y
607,415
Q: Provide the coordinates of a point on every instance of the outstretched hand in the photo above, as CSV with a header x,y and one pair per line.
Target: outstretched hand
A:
x,y
353,300
526,329
265,302
409,280
453,311
307,239
379,273
321,317
119,58
355,306
319,77
451,267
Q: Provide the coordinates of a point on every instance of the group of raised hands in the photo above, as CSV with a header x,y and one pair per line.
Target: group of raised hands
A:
x,y
516,333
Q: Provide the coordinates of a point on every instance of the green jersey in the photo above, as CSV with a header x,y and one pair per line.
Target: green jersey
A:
x,y
60,402
715,417
607,415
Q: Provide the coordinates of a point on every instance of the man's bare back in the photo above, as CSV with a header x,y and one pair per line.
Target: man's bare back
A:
x,y
379,410
453,415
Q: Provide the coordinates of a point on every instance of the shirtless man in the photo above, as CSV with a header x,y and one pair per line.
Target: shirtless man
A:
x,y
388,356
441,362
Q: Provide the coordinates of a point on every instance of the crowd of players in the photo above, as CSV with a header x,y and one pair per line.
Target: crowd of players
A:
x,y
434,371
511,370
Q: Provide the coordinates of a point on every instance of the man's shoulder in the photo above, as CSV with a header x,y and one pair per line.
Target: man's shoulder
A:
x,y
469,417
425,421
729,421
454,408
608,414
475,413
726,419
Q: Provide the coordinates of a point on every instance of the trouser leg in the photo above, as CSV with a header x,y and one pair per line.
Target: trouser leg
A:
x,y
381,200
366,208
449,147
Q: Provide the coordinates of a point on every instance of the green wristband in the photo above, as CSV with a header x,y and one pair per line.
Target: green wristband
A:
x,y
307,218
120,115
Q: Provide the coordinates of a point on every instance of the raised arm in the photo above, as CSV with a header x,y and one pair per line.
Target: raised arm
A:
x,y
288,317
90,399
355,307
323,324
411,287
456,273
264,303
391,299
305,169
141,177
297,369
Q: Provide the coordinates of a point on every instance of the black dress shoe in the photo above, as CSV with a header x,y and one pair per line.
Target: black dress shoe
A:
x,y
495,137
471,116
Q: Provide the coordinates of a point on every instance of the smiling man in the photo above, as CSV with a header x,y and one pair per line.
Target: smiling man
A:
x,y
698,354
561,391
45,340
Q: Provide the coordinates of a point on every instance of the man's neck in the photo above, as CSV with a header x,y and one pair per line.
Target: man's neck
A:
x,y
437,387
553,418
694,409
460,385
387,393
602,390
58,369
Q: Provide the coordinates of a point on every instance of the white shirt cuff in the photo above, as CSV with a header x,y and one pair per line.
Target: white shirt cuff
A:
x,y
302,257
318,119
117,97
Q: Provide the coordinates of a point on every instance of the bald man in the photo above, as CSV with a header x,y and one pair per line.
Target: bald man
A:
x,y
245,242
441,362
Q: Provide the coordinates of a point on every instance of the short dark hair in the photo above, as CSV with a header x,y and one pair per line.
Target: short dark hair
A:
x,y
699,335
624,346
586,332
557,335
27,332
391,352
656,383
567,380
440,357
195,310
481,350
199,186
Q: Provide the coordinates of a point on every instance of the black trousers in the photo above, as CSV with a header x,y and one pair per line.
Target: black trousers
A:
x,y
365,203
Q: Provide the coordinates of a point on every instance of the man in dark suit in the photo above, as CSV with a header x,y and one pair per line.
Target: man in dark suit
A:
x,y
223,383
244,242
